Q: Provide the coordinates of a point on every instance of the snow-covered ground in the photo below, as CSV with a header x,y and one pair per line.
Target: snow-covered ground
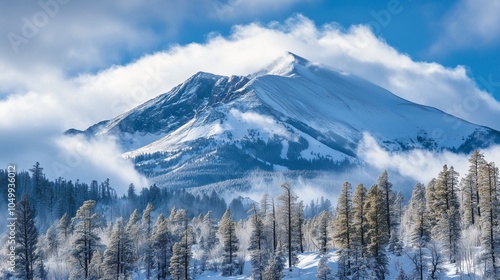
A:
x,y
307,268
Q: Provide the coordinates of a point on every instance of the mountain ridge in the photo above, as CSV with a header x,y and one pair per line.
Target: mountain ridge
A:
x,y
292,115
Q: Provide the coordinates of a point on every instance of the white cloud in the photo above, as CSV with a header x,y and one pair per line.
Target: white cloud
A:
x,y
247,8
44,103
98,158
470,24
417,164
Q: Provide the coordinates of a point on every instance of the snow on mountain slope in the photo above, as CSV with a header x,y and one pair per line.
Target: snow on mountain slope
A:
x,y
292,115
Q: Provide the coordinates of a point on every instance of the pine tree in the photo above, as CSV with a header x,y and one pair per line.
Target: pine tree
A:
x,y
26,239
161,243
298,220
38,188
146,248
96,266
323,232
274,268
324,272
386,188
359,220
419,231
133,229
62,228
476,161
119,255
490,207
51,241
227,233
86,223
432,206
377,234
416,213
343,223
447,229
288,205
257,250
181,255
208,240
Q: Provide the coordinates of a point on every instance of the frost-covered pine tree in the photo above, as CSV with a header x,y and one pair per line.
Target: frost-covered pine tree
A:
x,y
230,244
208,239
473,209
418,230
377,234
324,272
96,266
447,228
490,207
359,220
62,228
146,248
386,189
432,205
133,229
257,249
51,242
468,201
181,253
298,220
288,201
274,268
343,224
119,255
86,241
415,217
323,234
359,241
161,243
26,239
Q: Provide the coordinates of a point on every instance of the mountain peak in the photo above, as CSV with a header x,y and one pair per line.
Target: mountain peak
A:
x,y
287,65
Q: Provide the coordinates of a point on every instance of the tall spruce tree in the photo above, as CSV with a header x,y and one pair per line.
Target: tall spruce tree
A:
x,y
359,220
343,223
146,248
323,235
288,201
26,239
119,255
377,234
227,233
386,188
447,228
476,161
490,207
161,242
181,253
87,241
258,252
418,228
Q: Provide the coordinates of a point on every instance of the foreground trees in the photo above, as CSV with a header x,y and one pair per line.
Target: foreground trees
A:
x,y
25,239
448,223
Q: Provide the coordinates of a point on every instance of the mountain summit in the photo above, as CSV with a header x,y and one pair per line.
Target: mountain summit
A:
x,y
292,115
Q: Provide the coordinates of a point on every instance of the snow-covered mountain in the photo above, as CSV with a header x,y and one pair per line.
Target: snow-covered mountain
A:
x,y
292,115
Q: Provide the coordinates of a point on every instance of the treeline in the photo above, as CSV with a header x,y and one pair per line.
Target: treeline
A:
x,y
450,221
52,199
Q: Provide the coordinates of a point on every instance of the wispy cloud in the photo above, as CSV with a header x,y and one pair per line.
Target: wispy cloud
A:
x,y
470,24
417,164
229,10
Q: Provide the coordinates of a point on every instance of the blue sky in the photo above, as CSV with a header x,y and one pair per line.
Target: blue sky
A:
x,y
69,64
